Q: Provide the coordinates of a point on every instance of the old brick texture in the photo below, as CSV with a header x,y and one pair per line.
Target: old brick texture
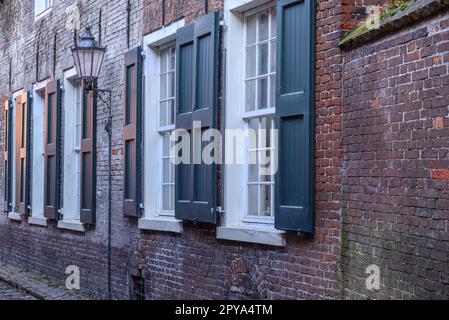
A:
x,y
382,191
395,160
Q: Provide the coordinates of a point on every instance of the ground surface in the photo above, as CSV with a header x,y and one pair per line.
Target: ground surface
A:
x,y
19,283
9,292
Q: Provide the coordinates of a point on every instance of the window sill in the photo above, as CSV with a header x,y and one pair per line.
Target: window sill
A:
x,y
42,14
249,234
73,225
15,216
161,224
38,221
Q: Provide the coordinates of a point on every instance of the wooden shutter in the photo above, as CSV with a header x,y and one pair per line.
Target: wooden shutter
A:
x,y
295,87
88,179
132,132
23,108
197,50
52,136
7,156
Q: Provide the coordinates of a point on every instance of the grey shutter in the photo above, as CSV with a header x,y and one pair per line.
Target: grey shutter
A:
x,y
88,157
52,138
132,132
295,81
197,51
7,156
23,109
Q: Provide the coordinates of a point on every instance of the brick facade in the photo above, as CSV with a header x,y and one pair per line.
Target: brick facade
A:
x,y
362,138
395,160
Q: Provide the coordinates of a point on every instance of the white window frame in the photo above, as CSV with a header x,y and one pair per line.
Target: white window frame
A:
x,y
38,179
258,113
154,217
12,214
235,224
164,129
42,8
72,100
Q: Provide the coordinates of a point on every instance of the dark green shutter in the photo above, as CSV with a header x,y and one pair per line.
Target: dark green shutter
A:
x,y
295,115
23,109
132,131
7,156
197,51
52,138
88,200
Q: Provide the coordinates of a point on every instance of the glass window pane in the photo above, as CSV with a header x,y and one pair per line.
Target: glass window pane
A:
x,y
252,200
163,113
166,145
163,87
265,165
166,168
273,56
253,174
265,124
172,198
250,95
164,60
263,26
166,198
262,93
273,22
265,200
172,59
171,85
251,62
263,59
251,26
254,127
170,105
172,171
272,91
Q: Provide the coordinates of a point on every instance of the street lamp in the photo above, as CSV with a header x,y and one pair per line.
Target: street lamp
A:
x,y
88,57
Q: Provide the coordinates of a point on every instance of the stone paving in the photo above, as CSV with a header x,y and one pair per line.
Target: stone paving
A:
x,y
9,292
18,284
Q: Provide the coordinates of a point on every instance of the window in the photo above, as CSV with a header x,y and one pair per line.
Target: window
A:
x,y
260,83
159,122
166,112
260,79
249,189
72,104
38,111
260,168
41,7
77,142
274,90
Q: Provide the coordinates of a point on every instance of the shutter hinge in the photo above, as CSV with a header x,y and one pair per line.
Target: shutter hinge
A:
x,y
220,210
141,206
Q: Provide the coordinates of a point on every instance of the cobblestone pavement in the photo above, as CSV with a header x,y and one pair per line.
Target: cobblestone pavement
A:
x,y
9,292
32,286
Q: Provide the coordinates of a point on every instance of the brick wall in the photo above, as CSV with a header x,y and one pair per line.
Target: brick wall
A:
x,y
50,250
395,160
381,137
194,264
197,265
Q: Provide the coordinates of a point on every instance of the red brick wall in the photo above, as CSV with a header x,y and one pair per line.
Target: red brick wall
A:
x,y
174,10
395,163
197,265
